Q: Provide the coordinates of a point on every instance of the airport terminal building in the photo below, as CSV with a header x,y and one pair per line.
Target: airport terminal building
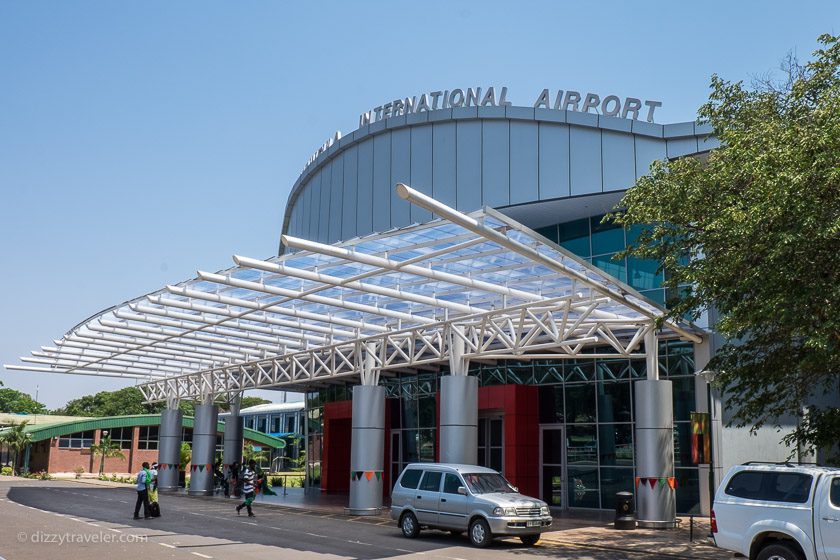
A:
x,y
445,290
558,172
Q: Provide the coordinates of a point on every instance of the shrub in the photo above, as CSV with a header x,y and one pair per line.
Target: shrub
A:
x,y
7,471
79,471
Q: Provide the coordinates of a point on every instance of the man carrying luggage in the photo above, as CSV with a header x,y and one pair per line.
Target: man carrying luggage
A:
x,y
144,479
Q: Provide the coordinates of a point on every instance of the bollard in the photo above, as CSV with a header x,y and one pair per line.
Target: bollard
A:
x,y
625,518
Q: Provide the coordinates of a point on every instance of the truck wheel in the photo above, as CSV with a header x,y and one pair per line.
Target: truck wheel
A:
x,y
778,551
529,540
480,534
409,525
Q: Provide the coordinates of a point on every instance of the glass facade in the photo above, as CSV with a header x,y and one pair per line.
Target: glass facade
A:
x,y
590,399
284,424
586,405
598,244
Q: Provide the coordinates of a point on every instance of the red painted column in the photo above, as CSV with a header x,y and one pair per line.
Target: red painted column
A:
x,y
519,406
335,469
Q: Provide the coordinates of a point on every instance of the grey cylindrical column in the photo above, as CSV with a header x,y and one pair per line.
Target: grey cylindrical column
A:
x,y
367,450
169,449
203,449
656,505
459,419
233,439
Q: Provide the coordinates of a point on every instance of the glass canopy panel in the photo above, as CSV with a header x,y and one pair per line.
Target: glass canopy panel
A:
x,y
453,273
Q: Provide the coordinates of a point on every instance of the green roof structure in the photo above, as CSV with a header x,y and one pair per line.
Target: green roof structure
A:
x,y
41,432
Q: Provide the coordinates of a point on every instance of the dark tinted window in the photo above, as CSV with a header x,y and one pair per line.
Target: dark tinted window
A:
x,y
770,486
431,481
410,478
451,482
835,492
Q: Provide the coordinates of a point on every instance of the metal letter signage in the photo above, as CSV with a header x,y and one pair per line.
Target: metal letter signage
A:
x,y
458,97
610,106
569,100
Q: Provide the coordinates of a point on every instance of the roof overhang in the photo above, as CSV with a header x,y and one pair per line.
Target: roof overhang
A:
x,y
462,287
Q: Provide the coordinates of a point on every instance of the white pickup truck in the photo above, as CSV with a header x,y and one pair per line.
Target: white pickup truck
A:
x,y
780,511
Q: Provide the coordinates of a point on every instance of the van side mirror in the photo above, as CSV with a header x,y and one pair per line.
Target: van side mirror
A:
x,y
462,490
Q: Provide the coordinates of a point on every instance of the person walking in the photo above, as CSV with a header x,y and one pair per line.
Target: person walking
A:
x,y
144,479
154,506
236,479
249,475
230,478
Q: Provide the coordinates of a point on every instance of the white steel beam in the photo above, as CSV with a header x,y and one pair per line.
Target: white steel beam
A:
x,y
188,336
227,331
80,358
36,369
391,265
396,294
163,354
154,315
306,315
60,362
193,345
471,224
332,302
125,346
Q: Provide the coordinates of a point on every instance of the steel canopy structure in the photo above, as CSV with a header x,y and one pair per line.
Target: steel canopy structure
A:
x,y
476,286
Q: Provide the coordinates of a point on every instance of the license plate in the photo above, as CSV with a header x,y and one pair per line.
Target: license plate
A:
x,y
534,524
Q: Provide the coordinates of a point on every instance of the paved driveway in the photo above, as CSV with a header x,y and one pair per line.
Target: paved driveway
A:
x,y
68,520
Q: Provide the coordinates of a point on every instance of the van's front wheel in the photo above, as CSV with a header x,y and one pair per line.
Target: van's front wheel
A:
x,y
778,551
409,525
480,534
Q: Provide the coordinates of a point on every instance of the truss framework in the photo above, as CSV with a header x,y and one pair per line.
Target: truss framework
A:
x,y
463,287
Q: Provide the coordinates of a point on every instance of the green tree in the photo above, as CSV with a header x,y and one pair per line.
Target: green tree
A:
x,y
249,452
186,455
249,401
105,448
19,403
759,218
17,438
110,403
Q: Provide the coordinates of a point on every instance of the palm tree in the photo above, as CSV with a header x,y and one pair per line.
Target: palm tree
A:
x,y
186,457
249,453
16,437
105,448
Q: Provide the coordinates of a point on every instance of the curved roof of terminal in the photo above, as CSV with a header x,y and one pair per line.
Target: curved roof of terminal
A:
x,y
312,310
46,430
670,131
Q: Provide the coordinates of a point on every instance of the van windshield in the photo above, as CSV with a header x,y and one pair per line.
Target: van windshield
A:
x,y
488,483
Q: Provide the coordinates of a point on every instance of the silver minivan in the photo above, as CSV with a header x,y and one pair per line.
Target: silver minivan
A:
x,y
460,498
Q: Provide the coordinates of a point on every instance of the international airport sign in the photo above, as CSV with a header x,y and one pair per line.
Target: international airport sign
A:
x,y
569,100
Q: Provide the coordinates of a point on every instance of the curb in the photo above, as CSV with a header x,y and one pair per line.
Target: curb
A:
x,y
657,553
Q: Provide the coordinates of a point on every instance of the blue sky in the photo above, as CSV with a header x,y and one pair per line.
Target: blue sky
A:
x,y
142,141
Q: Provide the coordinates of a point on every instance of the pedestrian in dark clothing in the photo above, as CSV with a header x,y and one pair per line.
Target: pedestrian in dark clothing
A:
x,y
232,480
249,476
144,479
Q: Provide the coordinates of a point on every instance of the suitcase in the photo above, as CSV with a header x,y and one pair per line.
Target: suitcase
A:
x,y
154,509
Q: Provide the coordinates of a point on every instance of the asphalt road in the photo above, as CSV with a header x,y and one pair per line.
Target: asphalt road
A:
x,y
69,520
